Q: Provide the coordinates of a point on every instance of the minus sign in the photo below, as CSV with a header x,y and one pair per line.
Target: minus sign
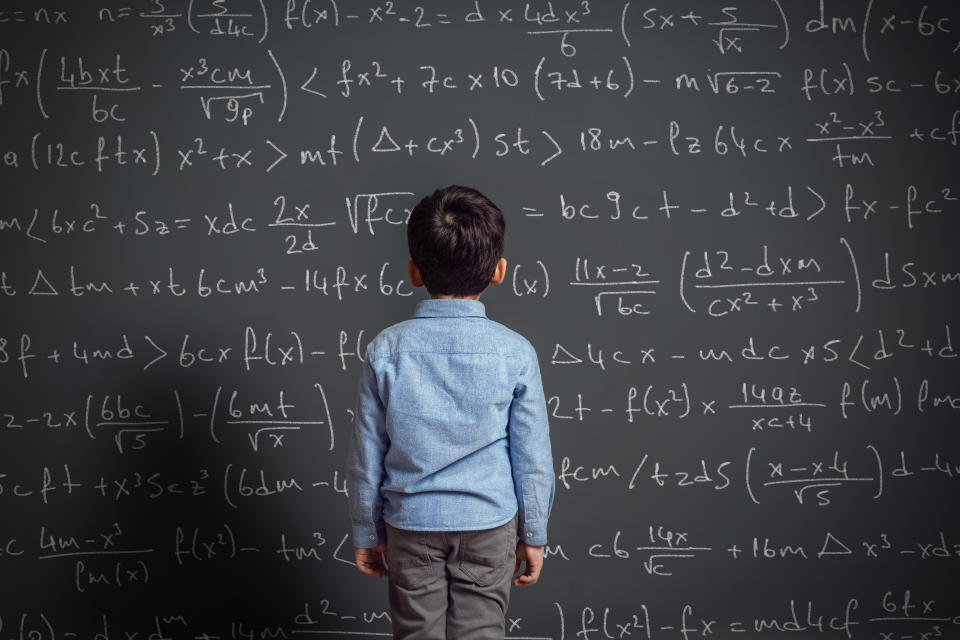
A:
x,y
156,86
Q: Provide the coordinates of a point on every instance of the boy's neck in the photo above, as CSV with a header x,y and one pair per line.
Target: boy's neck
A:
x,y
475,296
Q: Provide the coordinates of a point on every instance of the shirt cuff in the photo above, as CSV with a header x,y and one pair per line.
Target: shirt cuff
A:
x,y
368,535
533,532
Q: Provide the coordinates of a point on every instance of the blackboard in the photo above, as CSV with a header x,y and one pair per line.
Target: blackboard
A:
x,y
731,236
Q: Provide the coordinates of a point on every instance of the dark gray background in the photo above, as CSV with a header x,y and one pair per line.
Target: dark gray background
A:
x,y
702,494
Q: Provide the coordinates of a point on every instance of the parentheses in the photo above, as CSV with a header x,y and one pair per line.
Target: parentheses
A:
x,y
849,76
193,543
336,13
213,415
856,272
326,409
266,22
356,134
513,279
683,271
560,610
863,397
43,112
43,617
646,395
86,417
283,83
359,351
686,394
33,150
786,24
876,454
156,151
629,75
546,278
23,621
536,79
146,571
190,17
116,573
746,475
863,37
176,396
296,336
226,491
623,24
476,137
233,541
896,381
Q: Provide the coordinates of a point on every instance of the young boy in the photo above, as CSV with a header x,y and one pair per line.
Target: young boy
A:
x,y
450,460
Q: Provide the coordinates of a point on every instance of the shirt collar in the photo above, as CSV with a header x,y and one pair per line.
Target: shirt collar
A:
x,y
433,307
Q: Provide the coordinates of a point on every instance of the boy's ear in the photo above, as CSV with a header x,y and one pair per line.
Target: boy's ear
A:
x,y
415,278
500,272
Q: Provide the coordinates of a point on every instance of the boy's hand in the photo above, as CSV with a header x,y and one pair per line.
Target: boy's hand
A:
x,y
533,555
369,560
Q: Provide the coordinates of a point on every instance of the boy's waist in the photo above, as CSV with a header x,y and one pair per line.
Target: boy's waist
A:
x,y
417,512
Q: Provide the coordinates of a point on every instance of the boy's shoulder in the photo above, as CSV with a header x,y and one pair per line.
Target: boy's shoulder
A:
x,y
410,334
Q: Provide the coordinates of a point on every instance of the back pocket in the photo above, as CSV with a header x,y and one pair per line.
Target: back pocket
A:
x,y
412,572
483,569
487,557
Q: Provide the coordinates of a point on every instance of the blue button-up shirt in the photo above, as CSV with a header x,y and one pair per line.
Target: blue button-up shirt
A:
x,y
450,431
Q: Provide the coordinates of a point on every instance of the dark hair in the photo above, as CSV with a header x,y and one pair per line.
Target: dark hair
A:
x,y
455,237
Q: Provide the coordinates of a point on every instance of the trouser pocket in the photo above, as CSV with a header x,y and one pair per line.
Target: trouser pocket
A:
x,y
411,572
487,557
409,564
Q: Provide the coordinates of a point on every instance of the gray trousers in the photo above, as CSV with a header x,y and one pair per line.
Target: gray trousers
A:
x,y
450,584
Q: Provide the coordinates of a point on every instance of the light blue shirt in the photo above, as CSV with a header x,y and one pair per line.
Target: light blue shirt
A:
x,y
450,431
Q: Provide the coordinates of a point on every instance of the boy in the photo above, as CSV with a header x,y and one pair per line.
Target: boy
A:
x,y
450,460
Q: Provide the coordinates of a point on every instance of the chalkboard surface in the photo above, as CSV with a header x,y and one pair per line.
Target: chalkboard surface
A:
x,y
731,236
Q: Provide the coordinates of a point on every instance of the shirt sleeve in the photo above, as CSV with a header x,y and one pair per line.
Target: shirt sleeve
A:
x,y
530,454
365,470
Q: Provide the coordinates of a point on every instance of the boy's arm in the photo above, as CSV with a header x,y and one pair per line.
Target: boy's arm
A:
x,y
530,453
368,446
